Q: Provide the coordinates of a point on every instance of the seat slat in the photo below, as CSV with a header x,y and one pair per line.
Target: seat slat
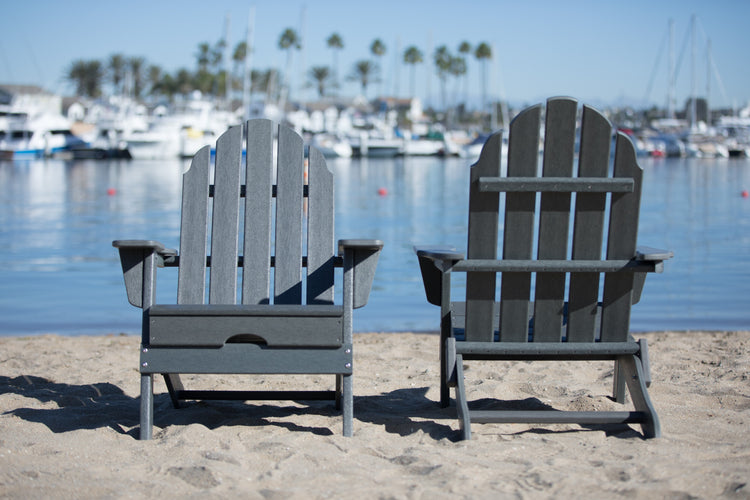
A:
x,y
256,273
554,218
518,240
289,191
621,241
320,225
226,218
583,294
194,230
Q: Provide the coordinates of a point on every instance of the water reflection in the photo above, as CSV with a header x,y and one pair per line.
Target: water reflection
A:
x,y
60,273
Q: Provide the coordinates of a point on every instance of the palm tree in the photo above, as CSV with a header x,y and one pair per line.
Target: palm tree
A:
x,y
154,77
464,48
183,82
335,43
238,58
289,40
116,71
321,76
412,57
363,72
442,65
483,52
457,69
378,50
203,56
136,66
87,77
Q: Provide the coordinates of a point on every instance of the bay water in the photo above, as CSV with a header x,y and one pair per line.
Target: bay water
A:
x,y
60,274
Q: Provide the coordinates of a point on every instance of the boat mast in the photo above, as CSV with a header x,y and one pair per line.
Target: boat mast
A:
x,y
693,107
247,81
671,76
227,65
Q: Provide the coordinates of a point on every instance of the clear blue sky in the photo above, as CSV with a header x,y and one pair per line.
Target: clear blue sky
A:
x,y
598,50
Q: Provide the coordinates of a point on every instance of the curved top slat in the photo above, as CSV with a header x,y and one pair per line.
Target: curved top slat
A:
x,y
320,226
193,229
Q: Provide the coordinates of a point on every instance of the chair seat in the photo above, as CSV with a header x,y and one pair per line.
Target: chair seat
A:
x,y
213,325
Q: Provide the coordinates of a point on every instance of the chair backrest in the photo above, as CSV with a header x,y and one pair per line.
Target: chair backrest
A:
x,y
561,216
274,235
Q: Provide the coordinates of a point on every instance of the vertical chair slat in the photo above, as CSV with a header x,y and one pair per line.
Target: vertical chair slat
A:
x,y
518,241
583,296
194,229
289,194
482,244
621,244
225,219
554,217
320,245
256,273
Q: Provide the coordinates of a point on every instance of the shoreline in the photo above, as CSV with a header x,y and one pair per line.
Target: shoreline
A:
x,y
69,409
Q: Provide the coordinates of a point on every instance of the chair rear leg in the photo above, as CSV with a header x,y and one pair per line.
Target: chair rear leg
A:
x,y
147,406
174,386
619,385
339,389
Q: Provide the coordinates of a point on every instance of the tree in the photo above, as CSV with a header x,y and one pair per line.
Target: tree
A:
x,y
378,50
264,81
335,43
183,83
203,56
483,53
457,68
154,77
321,76
364,71
289,40
116,71
238,58
464,48
412,57
136,67
442,65
87,77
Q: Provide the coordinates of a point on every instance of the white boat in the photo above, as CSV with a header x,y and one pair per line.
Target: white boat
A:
x,y
332,146
46,134
422,146
376,146
473,149
180,134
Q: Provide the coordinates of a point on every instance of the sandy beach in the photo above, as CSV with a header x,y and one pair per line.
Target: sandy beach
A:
x,y
69,428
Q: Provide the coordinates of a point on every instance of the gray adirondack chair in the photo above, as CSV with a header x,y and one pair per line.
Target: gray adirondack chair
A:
x,y
263,333
571,317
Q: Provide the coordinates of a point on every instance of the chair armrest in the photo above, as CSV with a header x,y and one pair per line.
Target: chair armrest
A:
x,y
137,268
436,253
434,261
145,245
364,262
652,254
655,256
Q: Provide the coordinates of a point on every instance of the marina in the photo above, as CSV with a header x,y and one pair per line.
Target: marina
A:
x,y
61,274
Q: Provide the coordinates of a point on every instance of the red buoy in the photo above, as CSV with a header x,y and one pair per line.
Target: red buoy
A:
x,y
111,192
745,194
382,191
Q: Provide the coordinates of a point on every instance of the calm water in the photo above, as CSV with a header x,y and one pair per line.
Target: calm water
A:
x,y
61,274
